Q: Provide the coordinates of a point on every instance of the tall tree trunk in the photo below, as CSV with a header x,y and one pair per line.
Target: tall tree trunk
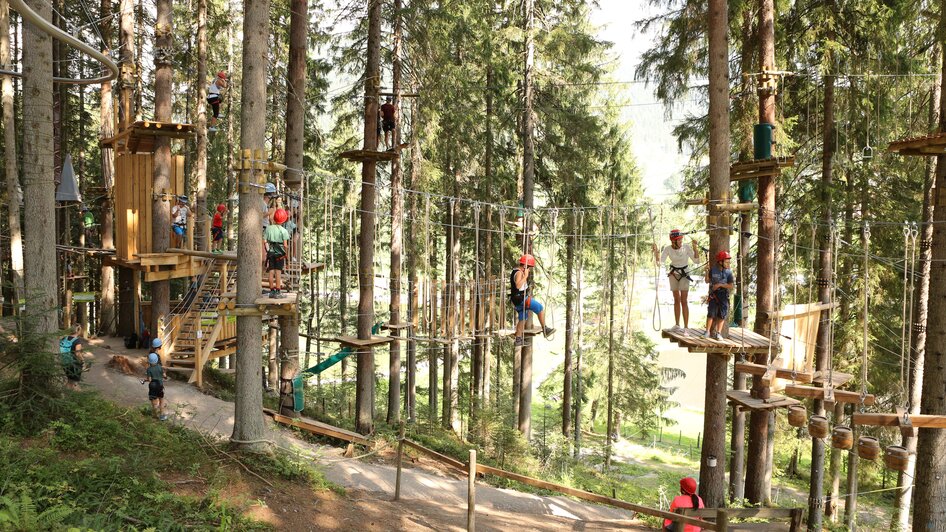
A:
x,y
609,437
38,189
831,501
295,161
823,347
713,456
569,323
106,314
364,397
410,394
344,275
451,386
397,236
201,157
248,426
929,510
9,157
161,209
432,375
921,298
528,186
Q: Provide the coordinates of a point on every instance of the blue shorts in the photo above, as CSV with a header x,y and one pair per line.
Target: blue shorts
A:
x,y
179,230
534,306
718,308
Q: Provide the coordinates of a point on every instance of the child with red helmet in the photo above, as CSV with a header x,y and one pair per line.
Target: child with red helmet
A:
x,y
215,97
721,281
275,243
680,257
687,499
518,287
216,229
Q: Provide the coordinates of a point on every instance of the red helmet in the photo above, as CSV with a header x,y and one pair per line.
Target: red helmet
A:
x,y
221,208
222,74
723,255
527,259
280,216
688,485
676,234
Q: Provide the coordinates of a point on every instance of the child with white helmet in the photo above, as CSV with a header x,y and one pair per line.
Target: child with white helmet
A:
x,y
155,377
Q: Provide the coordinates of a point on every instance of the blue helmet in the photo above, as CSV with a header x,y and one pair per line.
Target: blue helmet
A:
x,y
156,343
183,199
152,358
270,189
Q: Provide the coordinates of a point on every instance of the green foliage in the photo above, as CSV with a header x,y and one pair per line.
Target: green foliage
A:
x,y
20,515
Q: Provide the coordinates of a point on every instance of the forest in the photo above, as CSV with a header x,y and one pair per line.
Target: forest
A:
x,y
431,229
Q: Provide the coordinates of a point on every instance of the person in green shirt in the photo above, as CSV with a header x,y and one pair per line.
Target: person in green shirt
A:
x,y
155,377
275,244
88,224
70,356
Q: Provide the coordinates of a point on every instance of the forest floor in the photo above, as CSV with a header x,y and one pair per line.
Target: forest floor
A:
x,y
431,498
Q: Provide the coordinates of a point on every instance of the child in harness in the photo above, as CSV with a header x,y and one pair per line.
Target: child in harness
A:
x,y
680,257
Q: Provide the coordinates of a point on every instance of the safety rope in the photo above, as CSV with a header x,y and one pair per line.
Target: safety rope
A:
x,y
550,308
502,261
914,233
904,330
655,319
866,313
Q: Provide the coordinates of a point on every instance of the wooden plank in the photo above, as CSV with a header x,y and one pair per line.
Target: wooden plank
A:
x,y
290,300
369,155
456,464
317,427
837,378
840,396
781,373
358,342
803,311
741,513
745,400
893,420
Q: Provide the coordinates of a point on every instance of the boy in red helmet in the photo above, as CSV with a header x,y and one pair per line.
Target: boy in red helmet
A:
x,y
721,281
687,499
518,287
276,242
216,229
215,97
680,257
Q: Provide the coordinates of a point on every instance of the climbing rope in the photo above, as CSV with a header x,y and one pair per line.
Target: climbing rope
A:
x,y
502,261
655,319
914,233
549,271
866,313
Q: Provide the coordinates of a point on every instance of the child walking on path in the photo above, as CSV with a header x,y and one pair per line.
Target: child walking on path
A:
x,y
155,377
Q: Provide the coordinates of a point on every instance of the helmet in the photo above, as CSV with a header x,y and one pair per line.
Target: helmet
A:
x,y
527,259
280,216
156,343
221,208
153,358
723,255
270,188
688,485
388,99
83,207
183,199
676,234
222,74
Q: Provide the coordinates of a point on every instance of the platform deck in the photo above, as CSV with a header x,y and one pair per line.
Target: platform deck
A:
x,y
759,168
746,401
927,145
369,155
739,341
837,378
780,373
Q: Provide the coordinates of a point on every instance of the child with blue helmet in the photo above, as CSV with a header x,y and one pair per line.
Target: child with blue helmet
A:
x,y
155,377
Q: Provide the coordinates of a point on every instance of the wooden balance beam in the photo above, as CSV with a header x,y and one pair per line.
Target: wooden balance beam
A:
x,y
840,396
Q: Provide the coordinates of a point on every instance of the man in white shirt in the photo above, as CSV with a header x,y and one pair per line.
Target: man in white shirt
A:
x,y
680,257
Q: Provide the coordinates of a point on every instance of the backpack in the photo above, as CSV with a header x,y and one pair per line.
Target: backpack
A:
x,y
65,349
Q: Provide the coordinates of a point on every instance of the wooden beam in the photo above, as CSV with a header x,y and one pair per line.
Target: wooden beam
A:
x,y
781,373
809,309
204,254
840,396
316,427
894,420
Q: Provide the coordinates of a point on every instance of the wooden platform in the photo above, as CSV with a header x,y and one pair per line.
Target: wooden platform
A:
x,y
816,392
262,306
747,402
779,373
837,378
369,155
354,341
928,145
759,168
317,427
739,341
140,136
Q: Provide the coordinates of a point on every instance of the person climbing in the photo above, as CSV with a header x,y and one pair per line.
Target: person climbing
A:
x,y
179,215
388,122
275,243
216,229
687,499
88,224
721,281
680,257
70,356
215,97
518,289
155,377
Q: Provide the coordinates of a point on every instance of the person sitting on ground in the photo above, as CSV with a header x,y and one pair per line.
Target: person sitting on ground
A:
x,y
518,289
70,356
88,224
721,281
680,257
216,229
215,97
179,215
687,499
275,243
155,377
388,122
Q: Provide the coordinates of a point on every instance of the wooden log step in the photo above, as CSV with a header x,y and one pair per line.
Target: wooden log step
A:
x,y
780,373
182,361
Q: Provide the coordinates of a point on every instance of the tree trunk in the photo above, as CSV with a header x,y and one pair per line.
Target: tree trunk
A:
x,y
921,298
272,368
609,437
929,511
106,314
713,458
454,326
248,426
202,238
432,374
528,186
569,324
397,236
295,160
127,57
364,396
831,504
413,279
38,189
161,209
10,167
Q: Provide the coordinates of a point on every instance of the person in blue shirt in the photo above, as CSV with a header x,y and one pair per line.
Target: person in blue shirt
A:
x,y
721,281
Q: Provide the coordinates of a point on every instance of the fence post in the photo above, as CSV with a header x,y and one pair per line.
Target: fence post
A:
x,y
400,453
722,520
471,494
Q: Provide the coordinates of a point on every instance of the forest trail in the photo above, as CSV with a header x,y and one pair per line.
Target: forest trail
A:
x,y
435,501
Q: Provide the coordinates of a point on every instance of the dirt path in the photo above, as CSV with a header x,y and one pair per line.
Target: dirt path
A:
x,y
435,500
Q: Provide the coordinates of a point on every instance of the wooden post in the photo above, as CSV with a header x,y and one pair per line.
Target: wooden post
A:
x,y
199,350
722,520
400,453
471,494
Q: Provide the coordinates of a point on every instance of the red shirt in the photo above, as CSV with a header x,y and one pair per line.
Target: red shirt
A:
x,y
218,220
387,111
684,501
